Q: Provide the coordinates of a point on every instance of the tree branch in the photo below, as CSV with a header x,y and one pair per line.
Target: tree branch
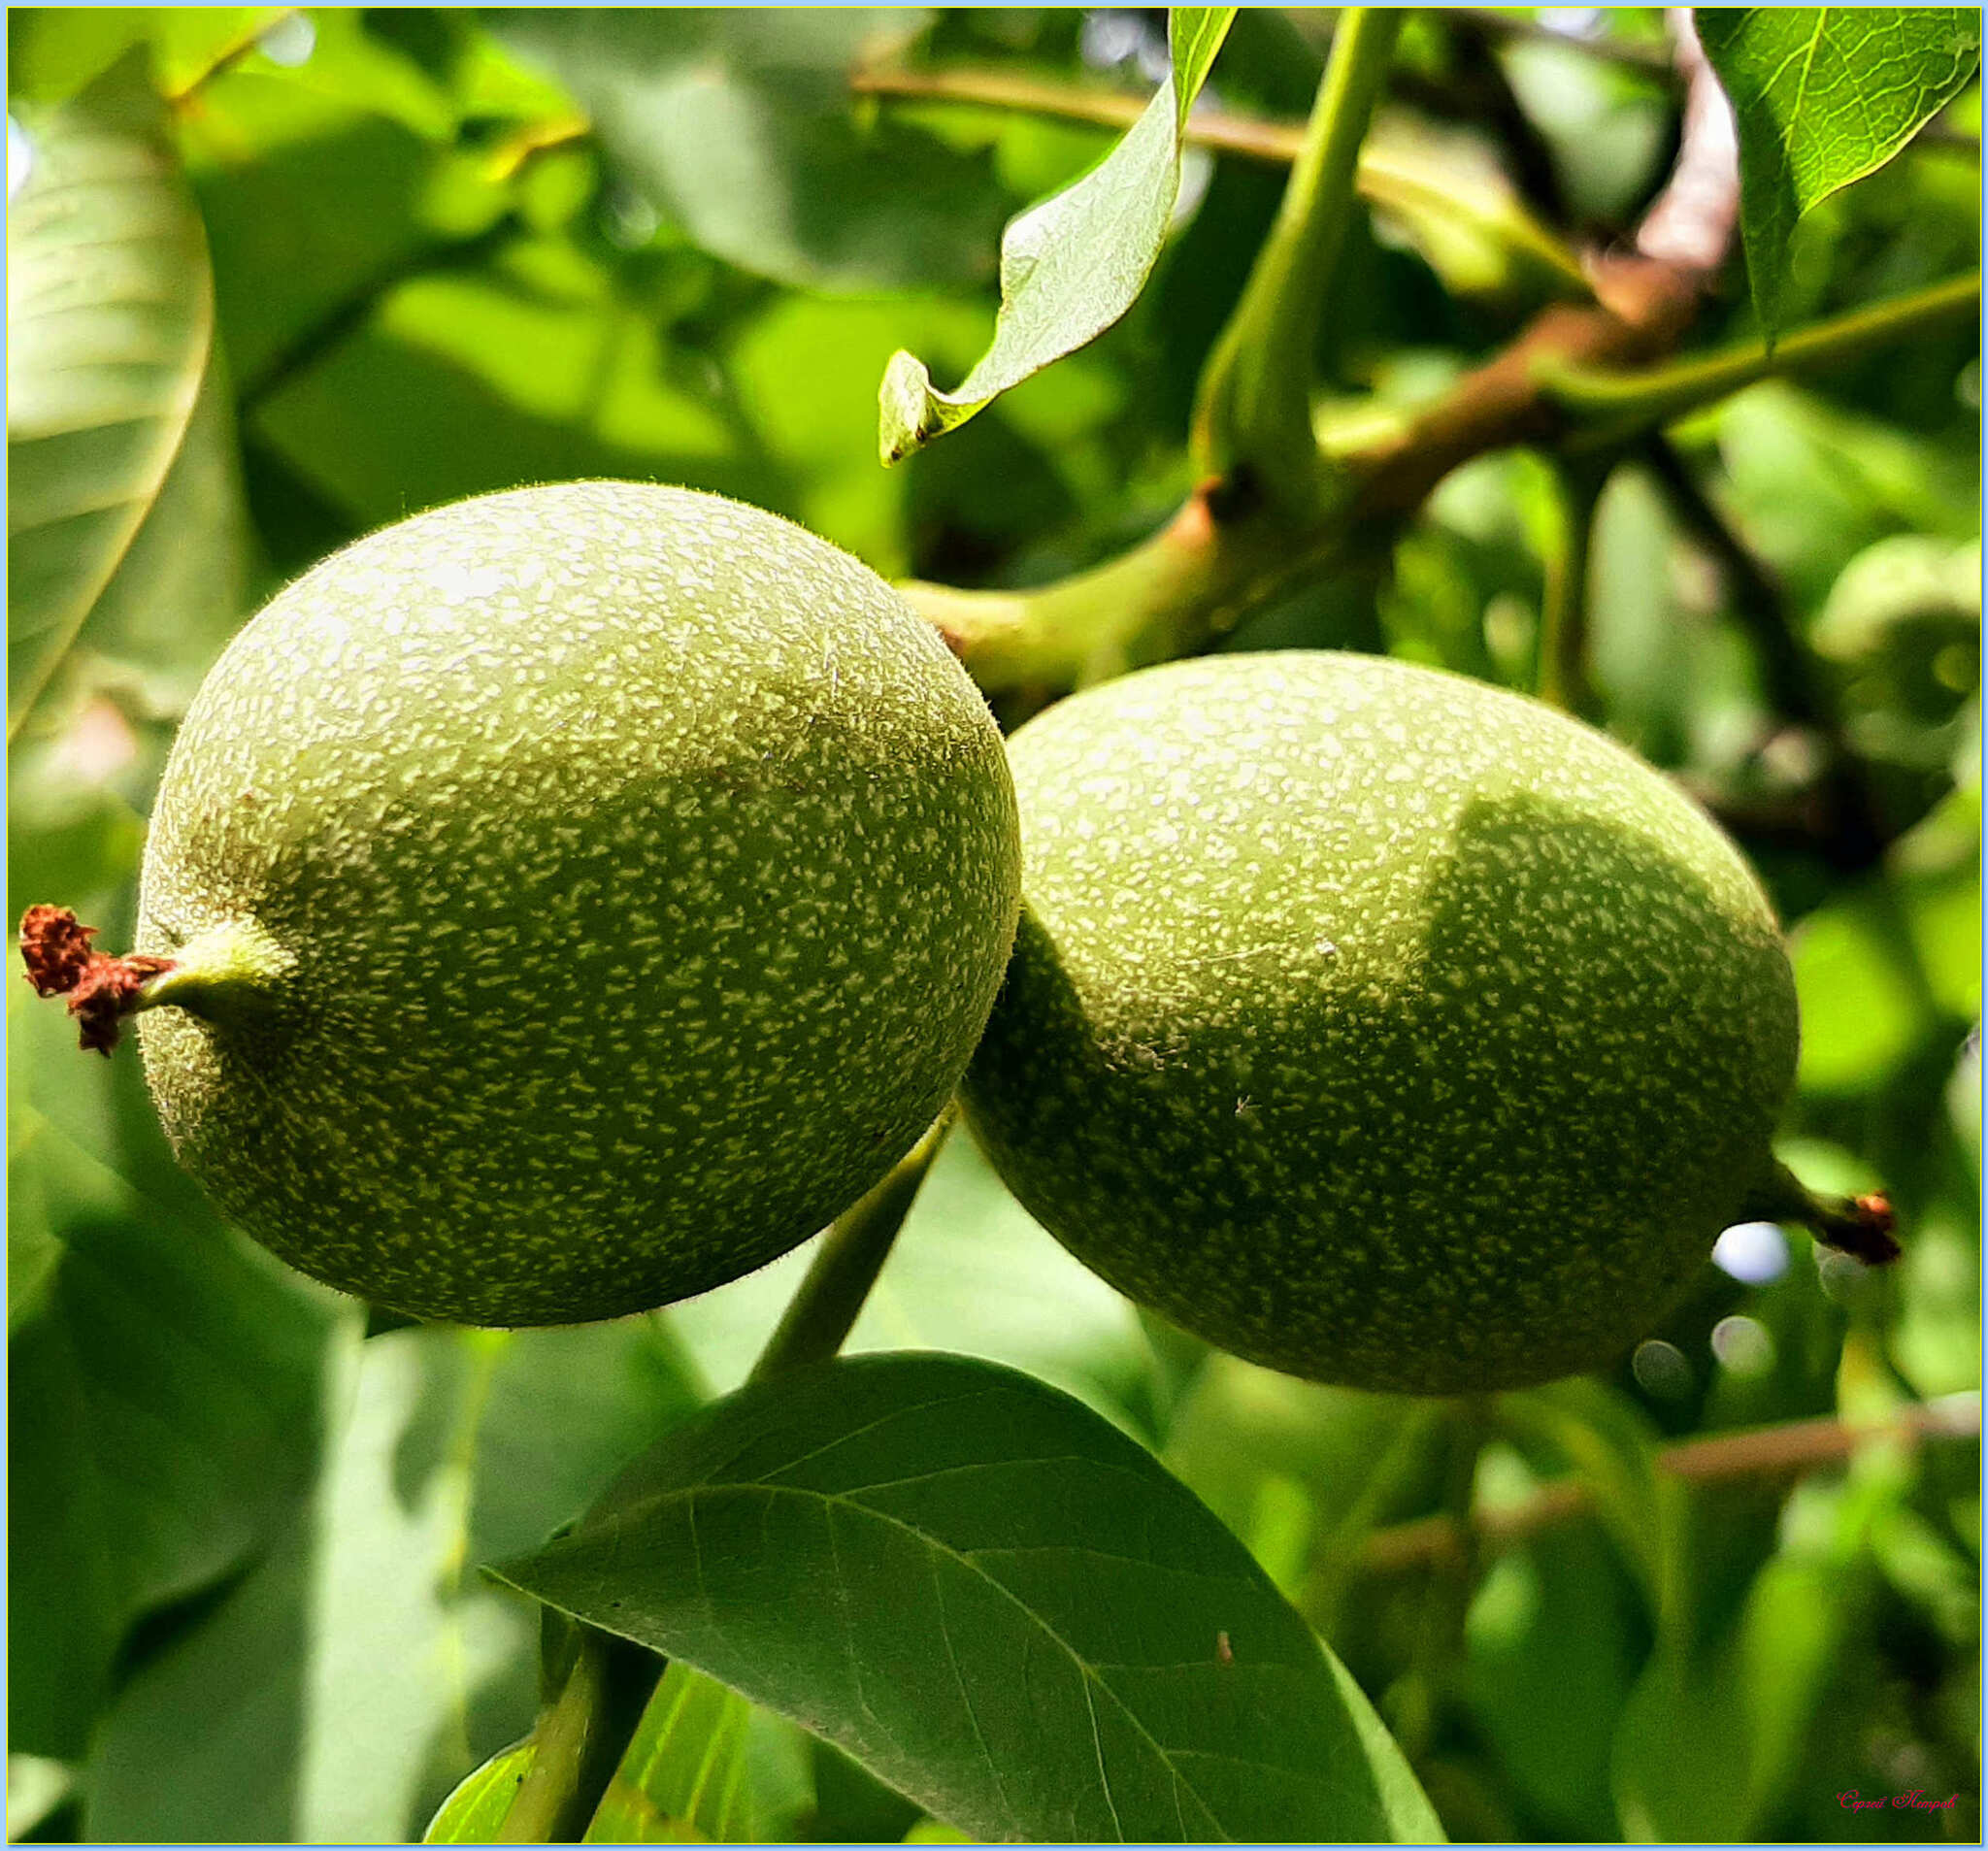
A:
x,y
1390,178
1758,1452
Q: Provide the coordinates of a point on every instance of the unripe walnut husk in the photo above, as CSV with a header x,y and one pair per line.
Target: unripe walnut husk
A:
x,y
1381,1026
562,902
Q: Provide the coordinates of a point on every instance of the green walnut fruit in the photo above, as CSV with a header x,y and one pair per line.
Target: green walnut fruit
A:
x,y
1377,1025
568,901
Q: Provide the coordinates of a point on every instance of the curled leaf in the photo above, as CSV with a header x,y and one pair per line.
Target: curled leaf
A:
x,y
1073,265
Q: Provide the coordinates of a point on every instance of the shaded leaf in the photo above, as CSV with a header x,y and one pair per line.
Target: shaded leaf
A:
x,y
184,585
163,1378
1862,985
457,383
1824,96
349,1681
312,202
1554,1636
1301,1471
1712,1735
738,124
995,1602
1073,265
110,312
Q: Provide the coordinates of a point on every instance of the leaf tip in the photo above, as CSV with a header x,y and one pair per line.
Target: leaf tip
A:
x,y
904,403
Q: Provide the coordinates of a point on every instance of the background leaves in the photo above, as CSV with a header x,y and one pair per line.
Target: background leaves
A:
x,y
109,317
732,120
339,1689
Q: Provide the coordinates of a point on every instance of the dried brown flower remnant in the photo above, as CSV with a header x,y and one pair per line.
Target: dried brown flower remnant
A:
x,y
55,949
102,990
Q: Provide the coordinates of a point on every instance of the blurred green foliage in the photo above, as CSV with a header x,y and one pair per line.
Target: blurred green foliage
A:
x,y
450,253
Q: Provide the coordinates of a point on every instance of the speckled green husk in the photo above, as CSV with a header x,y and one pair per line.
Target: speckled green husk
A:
x,y
1377,1025
615,879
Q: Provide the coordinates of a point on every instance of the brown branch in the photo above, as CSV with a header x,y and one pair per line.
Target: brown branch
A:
x,y
1646,303
1644,307
1758,1452
1580,378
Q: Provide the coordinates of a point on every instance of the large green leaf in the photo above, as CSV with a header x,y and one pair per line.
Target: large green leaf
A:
x,y
356,1675
1073,265
1824,96
531,369
995,1602
738,124
110,314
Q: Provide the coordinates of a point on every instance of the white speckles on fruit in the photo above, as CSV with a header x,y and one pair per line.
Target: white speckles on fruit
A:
x,y
648,870
1511,1019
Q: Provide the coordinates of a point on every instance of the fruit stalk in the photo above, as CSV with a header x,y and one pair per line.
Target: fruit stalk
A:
x,y
1860,1226
215,974
831,1297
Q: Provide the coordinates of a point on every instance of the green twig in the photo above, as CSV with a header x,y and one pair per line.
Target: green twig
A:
x,y
1254,410
1562,659
1859,1225
1604,408
580,1741
580,1738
